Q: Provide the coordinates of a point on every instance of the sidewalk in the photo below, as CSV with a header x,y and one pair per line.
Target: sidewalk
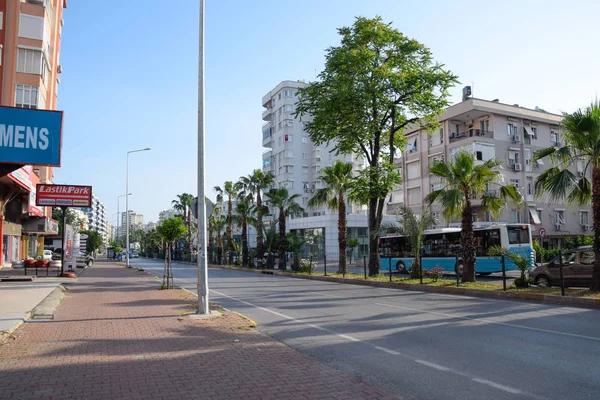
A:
x,y
116,336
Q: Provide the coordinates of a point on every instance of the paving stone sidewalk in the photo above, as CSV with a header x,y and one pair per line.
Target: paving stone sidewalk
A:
x,y
116,336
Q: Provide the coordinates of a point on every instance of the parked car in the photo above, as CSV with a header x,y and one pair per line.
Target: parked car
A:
x,y
47,255
134,255
577,268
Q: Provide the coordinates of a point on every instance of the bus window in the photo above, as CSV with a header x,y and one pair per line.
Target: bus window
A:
x,y
518,234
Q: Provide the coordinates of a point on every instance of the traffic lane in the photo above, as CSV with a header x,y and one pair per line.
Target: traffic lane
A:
x,y
426,346
291,336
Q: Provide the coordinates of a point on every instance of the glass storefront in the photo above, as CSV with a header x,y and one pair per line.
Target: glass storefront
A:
x,y
10,248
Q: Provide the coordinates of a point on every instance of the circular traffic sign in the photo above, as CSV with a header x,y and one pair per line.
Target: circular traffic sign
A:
x,y
542,232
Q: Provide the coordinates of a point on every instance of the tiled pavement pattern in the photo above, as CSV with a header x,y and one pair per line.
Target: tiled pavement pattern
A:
x,y
116,336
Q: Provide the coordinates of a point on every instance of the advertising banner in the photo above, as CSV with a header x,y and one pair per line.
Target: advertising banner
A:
x,y
64,195
30,136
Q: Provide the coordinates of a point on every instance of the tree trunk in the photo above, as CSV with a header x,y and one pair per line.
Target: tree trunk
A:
x,y
260,247
244,244
296,261
281,238
219,248
342,235
270,260
467,242
374,262
596,216
229,232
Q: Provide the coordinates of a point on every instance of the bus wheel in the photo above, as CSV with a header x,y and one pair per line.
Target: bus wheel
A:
x,y
400,267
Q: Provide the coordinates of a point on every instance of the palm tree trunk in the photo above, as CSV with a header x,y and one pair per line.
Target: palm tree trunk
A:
x,y
260,247
342,235
596,216
219,248
281,238
229,232
374,262
244,244
467,242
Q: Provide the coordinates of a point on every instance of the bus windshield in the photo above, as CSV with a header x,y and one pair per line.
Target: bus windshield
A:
x,y
518,234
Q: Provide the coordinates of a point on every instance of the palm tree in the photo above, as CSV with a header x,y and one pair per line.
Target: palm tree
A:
x,y
412,227
582,143
295,243
254,184
184,203
281,199
218,224
245,213
466,179
230,190
337,180
271,240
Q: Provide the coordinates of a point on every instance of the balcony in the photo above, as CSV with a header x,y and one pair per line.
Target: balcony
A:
x,y
266,115
470,133
267,135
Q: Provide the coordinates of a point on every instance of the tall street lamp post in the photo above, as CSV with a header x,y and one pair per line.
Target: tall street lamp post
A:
x,y
127,205
118,214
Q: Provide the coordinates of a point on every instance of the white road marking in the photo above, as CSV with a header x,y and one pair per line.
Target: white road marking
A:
x,y
489,321
432,365
498,386
392,352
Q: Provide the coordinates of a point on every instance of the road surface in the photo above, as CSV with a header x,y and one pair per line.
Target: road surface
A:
x,y
419,345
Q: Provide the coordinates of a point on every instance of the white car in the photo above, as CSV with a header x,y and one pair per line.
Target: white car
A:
x,y
47,255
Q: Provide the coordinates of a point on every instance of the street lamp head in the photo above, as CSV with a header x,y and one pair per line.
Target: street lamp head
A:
x,y
148,148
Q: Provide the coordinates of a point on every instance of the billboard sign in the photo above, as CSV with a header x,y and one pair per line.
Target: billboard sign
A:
x,y
64,195
30,136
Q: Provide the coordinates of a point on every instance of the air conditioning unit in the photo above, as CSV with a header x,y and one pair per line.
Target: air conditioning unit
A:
x,y
518,166
585,227
517,138
318,158
59,69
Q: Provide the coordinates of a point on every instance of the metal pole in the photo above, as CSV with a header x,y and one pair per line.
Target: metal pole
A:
x,y
562,278
127,213
64,240
456,271
325,263
310,265
390,265
118,215
202,287
365,265
503,273
421,270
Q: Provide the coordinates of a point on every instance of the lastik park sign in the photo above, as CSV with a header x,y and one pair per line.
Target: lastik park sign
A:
x,y
64,195
30,136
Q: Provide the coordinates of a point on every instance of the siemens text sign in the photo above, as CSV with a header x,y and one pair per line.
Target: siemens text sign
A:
x,y
63,195
30,136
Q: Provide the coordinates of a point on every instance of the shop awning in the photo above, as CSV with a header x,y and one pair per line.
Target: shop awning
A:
x,y
535,217
528,130
539,162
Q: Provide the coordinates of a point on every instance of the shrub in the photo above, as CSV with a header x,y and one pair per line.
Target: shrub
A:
x,y
435,273
307,266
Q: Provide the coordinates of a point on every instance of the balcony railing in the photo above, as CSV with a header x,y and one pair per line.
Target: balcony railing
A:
x,y
470,133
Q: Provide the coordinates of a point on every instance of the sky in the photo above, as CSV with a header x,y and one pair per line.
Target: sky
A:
x,y
130,74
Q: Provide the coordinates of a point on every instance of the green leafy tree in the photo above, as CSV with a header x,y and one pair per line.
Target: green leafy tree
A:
x,y
171,230
465,180
338,182
352,243
286,203
375,83
230,190
94,241
559,183
295,243
412,227
151,241
245,214
183,204
218,223
255,183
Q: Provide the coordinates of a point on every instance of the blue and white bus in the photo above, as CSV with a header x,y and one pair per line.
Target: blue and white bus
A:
x,y
442,246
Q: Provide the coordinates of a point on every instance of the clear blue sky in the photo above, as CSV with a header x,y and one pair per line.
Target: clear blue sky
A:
x,y
130,76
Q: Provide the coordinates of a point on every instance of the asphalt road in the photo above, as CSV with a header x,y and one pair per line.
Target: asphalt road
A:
x,y
418,345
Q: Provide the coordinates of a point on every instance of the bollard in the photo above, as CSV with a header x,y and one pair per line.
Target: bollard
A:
x,y
562,278
390,265
503,273
365,265
457,272
325,264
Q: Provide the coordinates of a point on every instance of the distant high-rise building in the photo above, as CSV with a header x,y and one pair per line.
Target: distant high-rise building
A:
x,y
136,221
166,214
97,217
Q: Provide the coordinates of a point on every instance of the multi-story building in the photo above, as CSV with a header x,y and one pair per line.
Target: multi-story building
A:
x,y
30,38
166,214
136,221
97,217
490,129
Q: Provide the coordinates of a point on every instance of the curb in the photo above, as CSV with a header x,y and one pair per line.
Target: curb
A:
x,y
45,309
530,297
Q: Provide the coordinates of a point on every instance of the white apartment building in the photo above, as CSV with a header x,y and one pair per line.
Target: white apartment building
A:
x,y
490,129
136,221
97,217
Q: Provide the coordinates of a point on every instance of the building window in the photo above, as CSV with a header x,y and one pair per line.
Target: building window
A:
x,y
288,108
515,216
583,218
414,196
30,61
513,157
442,135
289,154
27,96
279,125
512,129
559,217
279,140
479,155
554,137
534,131
304,139
287,93
413,170
412,145
304,156
540,213
287,138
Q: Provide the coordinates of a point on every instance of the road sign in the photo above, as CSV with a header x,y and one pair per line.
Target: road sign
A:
x,y
64,195
542,232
